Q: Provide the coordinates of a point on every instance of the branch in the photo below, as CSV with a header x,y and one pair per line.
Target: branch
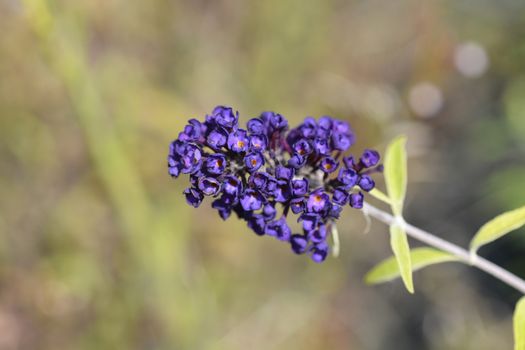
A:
x,y
461,253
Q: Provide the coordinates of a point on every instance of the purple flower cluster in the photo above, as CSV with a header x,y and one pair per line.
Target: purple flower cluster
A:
x,y
250,171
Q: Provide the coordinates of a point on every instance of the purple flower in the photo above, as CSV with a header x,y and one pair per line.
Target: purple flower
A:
x,y
279,229
317,202
284,173
282,192
193,197
252,200
328,165
369,158
356,200
209,186
217,138
259,180
302,147
216,164
193,131
309,221
299,187
299,244
348,178
238,141
366,183
318,235
297,205
232,186
225,117
265,170
342,142
319,252
257,223
321,146
269,212
258,143
340,196
297,161
256,126
253,162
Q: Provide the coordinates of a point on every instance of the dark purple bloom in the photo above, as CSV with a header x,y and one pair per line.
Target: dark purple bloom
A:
x,y
342,142
284,173
238,141
256,126
274,120
299,187
369,158
297,161
340,196
223,206
321,146
319,252
193,196
190,159
318,235
269,212
209,186
297,205
302,147
232,186
328,165
356,200
366,183
253,161
216,164
217,138
279,229
252,200
308,128
255,171
348,178
193,131
174,167
257,223
317,202
258,143
309,221
225,117
299,244
282,192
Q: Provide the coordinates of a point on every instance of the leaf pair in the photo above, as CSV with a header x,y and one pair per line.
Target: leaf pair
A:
x,y
396,184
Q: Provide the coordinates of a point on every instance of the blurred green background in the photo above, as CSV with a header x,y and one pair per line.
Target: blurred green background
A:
x,y
98,249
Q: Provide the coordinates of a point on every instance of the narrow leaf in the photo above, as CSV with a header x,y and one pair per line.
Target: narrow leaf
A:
x,y
399,243
396,173
388,270
519,325
379,195
498,227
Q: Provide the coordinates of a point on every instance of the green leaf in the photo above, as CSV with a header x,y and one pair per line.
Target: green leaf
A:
x,y
519,325
379,195
396,173
388,270
498,227
399,243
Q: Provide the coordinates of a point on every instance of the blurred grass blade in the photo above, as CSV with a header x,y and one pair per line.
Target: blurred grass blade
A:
x,y
379,195
396,173
519,325
498,227
399,243
388,270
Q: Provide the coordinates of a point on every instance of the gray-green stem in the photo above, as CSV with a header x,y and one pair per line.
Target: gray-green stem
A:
x,y
451,248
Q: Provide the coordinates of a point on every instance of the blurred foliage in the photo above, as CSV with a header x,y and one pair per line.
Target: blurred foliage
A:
x,y
98,249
